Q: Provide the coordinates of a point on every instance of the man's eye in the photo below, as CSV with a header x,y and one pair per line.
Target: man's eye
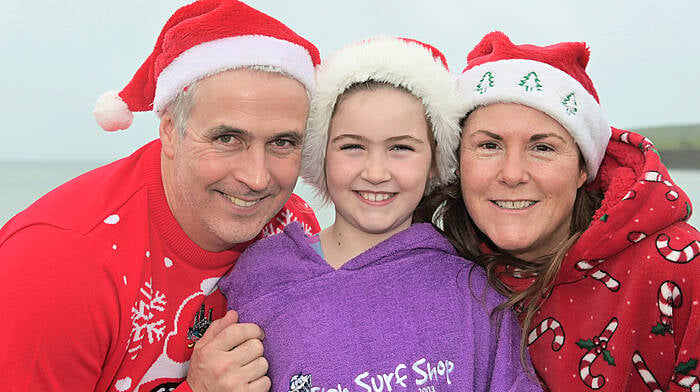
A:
x,y
225,139
283,143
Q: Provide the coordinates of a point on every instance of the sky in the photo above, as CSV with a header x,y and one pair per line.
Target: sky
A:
x,y
58,57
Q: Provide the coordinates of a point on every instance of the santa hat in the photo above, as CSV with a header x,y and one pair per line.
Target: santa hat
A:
x,y
413,65
202,39
551,79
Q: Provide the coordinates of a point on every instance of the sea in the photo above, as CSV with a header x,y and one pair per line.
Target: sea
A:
x,y
23,182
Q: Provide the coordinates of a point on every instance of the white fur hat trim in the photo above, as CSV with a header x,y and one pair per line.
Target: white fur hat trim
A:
x,y
545,88
398,62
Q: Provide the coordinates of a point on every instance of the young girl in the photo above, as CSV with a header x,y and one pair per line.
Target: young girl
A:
x,y
375,303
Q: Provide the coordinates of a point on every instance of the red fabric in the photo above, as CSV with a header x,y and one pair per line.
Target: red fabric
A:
x,y
197,23
99,285
437,54
626,282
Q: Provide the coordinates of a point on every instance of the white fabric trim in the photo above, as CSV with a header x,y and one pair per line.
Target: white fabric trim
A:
x,y
111,112
397,62
212,57
579,113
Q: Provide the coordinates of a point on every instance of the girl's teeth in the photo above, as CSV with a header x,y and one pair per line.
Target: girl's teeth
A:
x,y
375,196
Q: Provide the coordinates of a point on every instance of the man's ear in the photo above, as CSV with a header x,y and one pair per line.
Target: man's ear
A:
x,y
169,135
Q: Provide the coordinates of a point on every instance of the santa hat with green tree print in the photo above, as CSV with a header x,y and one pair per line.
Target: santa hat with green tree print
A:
x,y
551,79
200,40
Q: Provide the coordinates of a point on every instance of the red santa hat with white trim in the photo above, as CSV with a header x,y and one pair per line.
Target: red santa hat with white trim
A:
x,y
200,40
551,79
418,67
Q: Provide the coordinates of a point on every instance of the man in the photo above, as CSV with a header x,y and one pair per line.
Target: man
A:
x,y
109,281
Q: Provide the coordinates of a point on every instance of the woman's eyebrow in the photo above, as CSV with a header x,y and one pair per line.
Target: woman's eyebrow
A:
x,y
488,133
540,136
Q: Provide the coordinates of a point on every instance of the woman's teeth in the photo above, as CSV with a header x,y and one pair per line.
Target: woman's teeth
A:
x,y
514,205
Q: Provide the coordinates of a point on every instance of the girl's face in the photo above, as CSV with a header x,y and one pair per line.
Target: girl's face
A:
x,y
520,171
378,160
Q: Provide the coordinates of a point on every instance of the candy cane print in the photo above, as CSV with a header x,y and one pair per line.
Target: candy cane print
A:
x,y
548,324
601,344
689,382
645,373
636,236
682,256
585,265
669,297
647,144
611,283
654,176
625,137
519,273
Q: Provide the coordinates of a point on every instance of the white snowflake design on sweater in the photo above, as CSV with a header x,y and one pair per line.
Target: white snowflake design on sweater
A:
x,y
282,219
143,321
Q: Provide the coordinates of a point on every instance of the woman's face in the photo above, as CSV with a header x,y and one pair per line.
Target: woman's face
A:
x,y
519,171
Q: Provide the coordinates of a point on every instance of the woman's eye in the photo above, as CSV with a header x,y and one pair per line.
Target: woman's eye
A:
x,y
488,145
350,147
543,148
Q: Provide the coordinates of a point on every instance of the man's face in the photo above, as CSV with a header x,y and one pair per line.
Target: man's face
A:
x,y
239,158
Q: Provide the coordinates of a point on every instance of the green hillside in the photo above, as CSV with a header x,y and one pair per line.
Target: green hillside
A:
x,y
675,137
679,145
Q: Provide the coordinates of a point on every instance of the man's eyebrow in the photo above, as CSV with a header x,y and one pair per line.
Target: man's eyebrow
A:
x,y
220,130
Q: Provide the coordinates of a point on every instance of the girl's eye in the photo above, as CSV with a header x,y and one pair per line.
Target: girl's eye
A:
x,y
402,147
350,147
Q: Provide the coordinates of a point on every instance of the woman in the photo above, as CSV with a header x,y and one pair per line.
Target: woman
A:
x,y
579,226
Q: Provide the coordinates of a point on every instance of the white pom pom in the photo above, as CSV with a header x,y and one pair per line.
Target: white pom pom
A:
x,y
111,112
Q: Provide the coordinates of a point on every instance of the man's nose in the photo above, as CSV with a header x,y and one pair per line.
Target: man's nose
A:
x,y
254,171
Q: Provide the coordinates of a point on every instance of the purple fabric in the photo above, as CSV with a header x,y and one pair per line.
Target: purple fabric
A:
x,y
406,315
